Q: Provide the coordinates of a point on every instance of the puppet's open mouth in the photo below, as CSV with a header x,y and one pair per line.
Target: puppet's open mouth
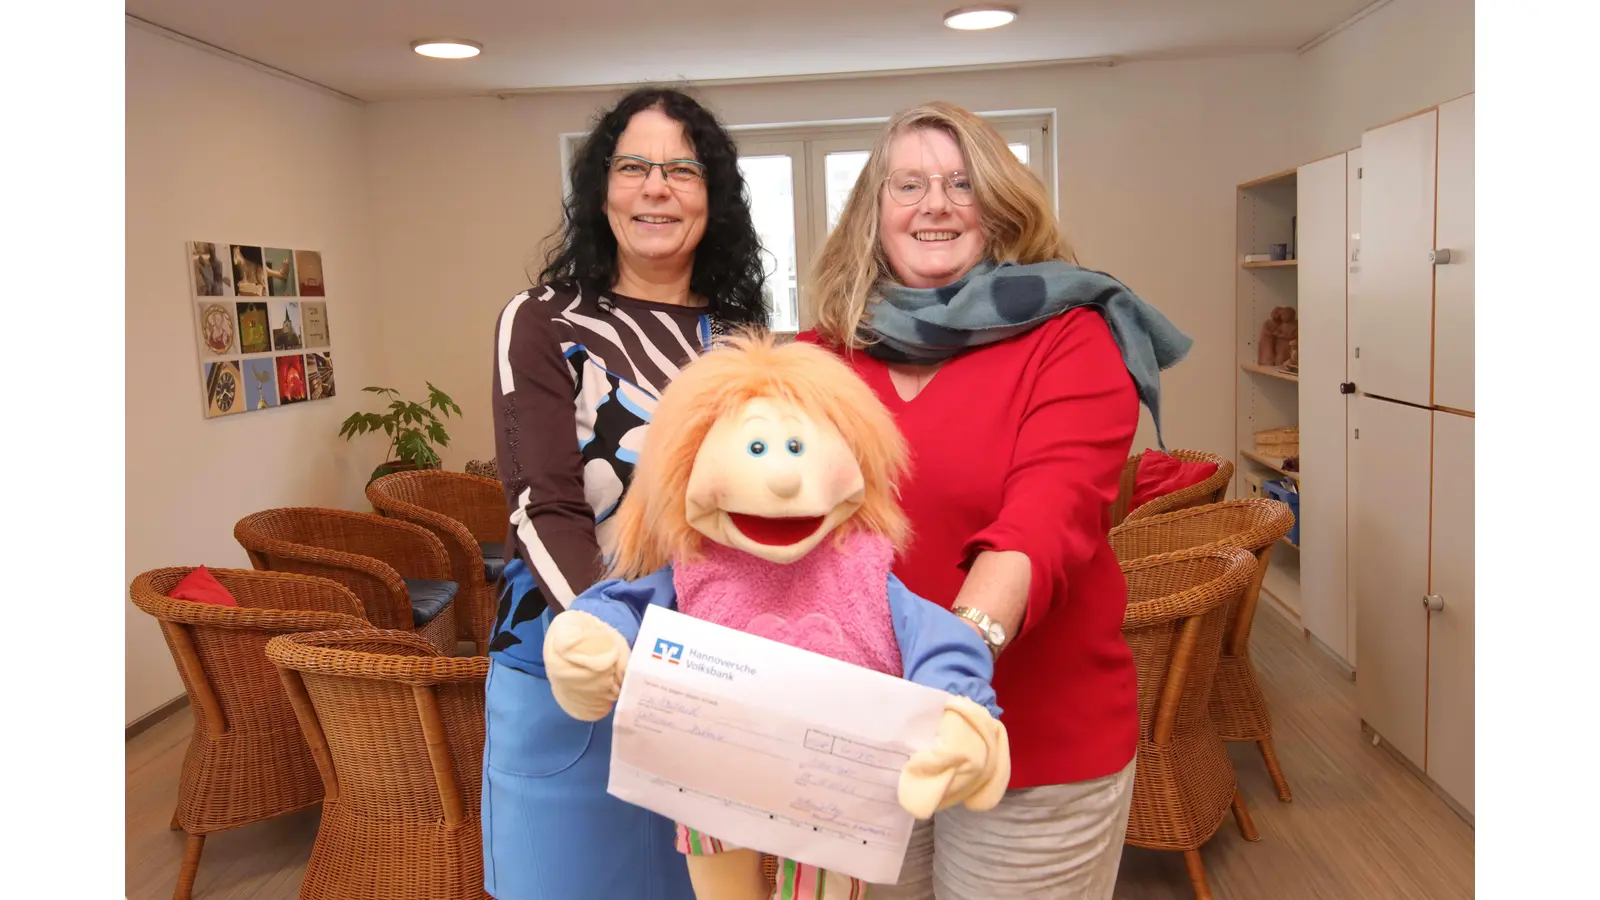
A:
x,y
776,532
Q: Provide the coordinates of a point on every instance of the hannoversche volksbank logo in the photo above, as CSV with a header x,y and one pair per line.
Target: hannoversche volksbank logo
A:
x,y
667,650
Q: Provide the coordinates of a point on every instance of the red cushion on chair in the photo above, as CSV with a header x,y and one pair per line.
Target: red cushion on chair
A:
x,y
1160,474
202,587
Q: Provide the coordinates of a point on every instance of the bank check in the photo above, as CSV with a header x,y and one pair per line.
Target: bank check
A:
x,y
769,747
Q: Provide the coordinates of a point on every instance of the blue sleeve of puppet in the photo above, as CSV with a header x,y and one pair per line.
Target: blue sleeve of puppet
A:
x,y
621,604
939,650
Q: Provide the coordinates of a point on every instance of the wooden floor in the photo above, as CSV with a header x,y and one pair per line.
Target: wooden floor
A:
x,y
1361,825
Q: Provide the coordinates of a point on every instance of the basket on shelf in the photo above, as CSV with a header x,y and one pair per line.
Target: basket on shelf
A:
x,y
1278,443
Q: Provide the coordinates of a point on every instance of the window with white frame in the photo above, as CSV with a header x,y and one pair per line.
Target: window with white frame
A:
x,y
799,176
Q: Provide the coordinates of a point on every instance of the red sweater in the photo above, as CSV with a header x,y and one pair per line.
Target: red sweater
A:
x,y
1019,445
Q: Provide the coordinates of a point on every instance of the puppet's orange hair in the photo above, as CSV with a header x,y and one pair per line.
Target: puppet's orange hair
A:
x,y
652,522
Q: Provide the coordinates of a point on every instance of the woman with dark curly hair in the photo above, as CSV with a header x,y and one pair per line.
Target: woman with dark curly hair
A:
x,y
657,255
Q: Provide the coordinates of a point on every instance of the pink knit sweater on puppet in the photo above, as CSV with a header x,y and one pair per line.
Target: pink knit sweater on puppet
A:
x,y
833,601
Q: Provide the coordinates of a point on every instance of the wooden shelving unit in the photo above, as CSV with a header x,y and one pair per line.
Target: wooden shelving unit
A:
x,y
1266,396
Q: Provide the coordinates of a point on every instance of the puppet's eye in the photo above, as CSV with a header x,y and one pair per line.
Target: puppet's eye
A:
x,y
758,448
795,447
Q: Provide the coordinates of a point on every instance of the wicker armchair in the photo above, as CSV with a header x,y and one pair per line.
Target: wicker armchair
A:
x,y
398,734
1211,490
1183,785
247,761
400,571
468,514
1238,707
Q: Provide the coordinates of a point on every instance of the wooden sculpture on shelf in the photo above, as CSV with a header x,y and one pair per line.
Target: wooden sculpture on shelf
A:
x,y
1288,333
1278,335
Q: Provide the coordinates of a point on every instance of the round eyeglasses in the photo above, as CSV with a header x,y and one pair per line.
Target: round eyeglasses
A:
x,y
635,169
909,186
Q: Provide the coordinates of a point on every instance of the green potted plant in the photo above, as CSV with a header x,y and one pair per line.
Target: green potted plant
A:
x,y
413,430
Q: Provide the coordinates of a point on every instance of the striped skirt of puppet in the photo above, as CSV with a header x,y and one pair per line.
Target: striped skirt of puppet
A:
x,y
796,881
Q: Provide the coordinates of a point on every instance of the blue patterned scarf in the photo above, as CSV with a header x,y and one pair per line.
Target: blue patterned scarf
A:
x,y
993,302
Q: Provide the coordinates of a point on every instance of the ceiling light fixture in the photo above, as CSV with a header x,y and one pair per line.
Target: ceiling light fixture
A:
x,y
977,18
447,48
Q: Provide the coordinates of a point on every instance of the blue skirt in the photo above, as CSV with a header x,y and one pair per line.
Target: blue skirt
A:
x,y
550,830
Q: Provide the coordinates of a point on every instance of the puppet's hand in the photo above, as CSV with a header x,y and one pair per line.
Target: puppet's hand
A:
x,y
584,658
970,763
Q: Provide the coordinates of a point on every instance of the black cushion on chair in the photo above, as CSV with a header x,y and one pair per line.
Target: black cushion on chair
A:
x,y
428,598
494,561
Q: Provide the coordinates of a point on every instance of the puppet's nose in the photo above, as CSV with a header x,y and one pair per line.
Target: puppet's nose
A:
x,y
784,481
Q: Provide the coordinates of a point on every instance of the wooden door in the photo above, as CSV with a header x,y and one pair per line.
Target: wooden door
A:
x,y
1320,207
1392,317
1389,497
1352,217
1453,330
1450,753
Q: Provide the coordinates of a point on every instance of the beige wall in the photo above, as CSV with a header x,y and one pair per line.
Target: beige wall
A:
x,y
465,190
219,151
1407,56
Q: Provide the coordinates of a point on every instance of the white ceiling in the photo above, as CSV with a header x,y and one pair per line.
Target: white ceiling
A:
x,y
362,47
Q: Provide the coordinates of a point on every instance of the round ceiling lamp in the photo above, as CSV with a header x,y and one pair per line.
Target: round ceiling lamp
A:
x,y
978,18
447,48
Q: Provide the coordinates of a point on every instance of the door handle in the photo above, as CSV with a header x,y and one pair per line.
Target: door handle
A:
x,y
1433,603
1439,257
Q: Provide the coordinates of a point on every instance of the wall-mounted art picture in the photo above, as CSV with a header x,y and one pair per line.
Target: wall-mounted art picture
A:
x,y
255,335
291,378
319,375
267,324
218,332
280,273
287,329
308,265
260,383
210,270
224,389
249,272
314,316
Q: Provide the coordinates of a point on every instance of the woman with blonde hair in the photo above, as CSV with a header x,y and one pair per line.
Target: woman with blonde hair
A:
x,y
1016,377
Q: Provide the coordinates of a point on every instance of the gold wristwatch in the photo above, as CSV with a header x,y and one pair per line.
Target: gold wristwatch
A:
x,y
994,634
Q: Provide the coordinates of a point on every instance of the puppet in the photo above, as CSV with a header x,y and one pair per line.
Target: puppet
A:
x,y
764,500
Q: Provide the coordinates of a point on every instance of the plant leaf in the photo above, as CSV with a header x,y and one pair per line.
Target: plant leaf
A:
x,y
441,401
437,432
414,448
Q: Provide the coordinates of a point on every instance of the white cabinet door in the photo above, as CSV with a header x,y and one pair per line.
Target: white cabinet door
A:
x,y
1453,281
1352,285
1389,494
1392,317
1450,754
1320,208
